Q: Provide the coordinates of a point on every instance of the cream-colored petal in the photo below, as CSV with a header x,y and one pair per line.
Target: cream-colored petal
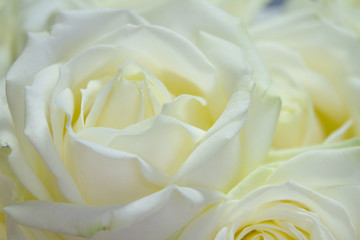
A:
x,y
276,156
190,109
321,168
259,129
321,53
245,9
206,225
98,169
170,14
132,96
349,197
166,54
332,217
37,130
231,64
166,145
218,150
298,122
122,221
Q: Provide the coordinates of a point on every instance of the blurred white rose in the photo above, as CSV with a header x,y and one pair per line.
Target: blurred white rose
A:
x,y
315,69
136,117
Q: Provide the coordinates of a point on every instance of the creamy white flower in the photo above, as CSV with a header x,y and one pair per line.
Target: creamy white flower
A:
x,y
314,67
130,115
314,195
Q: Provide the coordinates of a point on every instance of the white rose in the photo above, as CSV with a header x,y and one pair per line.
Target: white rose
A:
x,y
312,196
137,119
315,70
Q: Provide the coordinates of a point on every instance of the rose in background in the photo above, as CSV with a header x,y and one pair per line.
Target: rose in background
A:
x,y
119,121
314,195
314,68
343,12
310,195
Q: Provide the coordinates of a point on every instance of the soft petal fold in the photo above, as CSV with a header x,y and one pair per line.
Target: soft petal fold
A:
x,y
171,15
218,150
37,130
259,129
247,10
124,221
320,168
284,206
228,58
189,109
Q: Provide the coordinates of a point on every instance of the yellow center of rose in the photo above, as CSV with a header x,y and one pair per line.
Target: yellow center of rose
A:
x,y
132,96
279,220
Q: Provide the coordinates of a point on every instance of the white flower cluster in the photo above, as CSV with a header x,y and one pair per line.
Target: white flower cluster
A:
x,y
179,119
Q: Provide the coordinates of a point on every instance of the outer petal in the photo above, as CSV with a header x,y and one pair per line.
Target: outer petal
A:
x,y
13,163
123,221
321,168
37,130
218,150
236,73
131,165
259,129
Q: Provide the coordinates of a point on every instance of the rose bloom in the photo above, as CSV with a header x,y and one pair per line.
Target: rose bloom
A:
x,y
314,65
126,126
314,195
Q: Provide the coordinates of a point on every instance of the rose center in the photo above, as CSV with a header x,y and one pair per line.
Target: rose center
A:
x,y
132,96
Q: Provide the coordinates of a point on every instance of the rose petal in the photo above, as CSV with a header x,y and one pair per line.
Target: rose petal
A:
x,y
170,14
123,221
283,155
165,60
166,144
290,203
342,168
348,196
218,150
190,109
229,59
37,130
100,172
247,10
259,129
